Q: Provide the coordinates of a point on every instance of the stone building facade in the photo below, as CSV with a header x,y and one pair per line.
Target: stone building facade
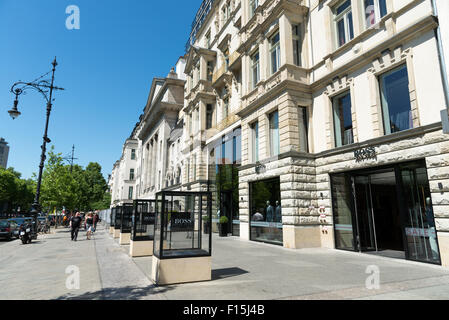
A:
x,y
314,123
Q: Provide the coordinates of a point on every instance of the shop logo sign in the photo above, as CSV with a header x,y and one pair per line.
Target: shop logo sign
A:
x,y
365,154
261,169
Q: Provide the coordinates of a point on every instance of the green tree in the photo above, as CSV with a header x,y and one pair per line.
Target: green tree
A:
x,y
14,191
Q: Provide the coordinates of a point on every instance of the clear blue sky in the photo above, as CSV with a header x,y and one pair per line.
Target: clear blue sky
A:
x,y
106,68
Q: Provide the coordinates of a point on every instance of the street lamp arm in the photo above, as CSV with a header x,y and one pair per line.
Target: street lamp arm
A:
x,y
20,88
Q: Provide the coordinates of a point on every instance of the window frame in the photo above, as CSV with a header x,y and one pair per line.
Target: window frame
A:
x,y
273,152
348,28
384,104
275,48
296,37
335,98
255,67
253,5
377,12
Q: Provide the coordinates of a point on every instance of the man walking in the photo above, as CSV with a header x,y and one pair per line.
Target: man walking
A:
x,y
75,224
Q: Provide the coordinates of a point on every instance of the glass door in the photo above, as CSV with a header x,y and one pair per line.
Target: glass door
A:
x,y
419,224
364,212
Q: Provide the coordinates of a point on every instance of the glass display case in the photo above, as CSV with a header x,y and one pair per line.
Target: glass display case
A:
x,y
126,221
182,224
112,220
118,217
143,219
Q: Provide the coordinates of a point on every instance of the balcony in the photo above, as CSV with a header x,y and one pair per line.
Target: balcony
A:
x,y
203,89
221,76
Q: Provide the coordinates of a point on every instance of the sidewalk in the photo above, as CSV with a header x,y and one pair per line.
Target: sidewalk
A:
x,y
241,270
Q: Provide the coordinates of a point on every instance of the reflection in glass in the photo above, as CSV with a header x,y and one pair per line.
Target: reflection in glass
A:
x,y
180,220
266,211
343,120
396,106
342,208
420,228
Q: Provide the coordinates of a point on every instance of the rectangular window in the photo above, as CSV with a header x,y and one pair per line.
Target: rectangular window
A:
x,y
303,126
226,59
255,67
253,4
255,141
296,34
188,170
343,22
210,70
225,108
197,120
274,134
133,154
194,168
374,11
207,40
131,174
130,193
190,124
343,119
209,115
396,106
275,53
237,152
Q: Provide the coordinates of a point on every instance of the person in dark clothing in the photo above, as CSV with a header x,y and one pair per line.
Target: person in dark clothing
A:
x,y
75,224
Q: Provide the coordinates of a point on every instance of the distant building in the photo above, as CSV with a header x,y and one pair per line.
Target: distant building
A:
x,y
4,152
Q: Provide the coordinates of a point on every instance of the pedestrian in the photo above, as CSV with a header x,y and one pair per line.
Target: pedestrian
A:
x,y
89,225
96,218
75,224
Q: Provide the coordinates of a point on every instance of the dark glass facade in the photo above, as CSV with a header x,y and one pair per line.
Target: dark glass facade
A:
x,y
266,211
387,210
225,159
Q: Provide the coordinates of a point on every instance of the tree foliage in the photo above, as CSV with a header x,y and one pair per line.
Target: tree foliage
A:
x,y
76,189
15,192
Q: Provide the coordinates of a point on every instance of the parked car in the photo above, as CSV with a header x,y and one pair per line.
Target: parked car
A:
x,y
20,221
9,229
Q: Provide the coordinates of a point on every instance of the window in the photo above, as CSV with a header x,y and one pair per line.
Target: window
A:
x,y
296,34
396,106
210,70
255,141
131,174
303,126
188,170
274,134
130,193
225,108
343,119
194,168
190,124
133,154
255,68
237,146
226,59
253,4
207,40
374,11
275,52
209,115
197,120
343,23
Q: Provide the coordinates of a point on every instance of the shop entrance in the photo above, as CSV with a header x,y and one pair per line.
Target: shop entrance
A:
x,y
378,214
386,211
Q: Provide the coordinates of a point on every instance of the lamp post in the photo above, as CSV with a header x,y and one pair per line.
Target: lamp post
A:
x,y
46,89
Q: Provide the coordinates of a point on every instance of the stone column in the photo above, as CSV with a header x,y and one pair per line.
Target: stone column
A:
x,y
286,40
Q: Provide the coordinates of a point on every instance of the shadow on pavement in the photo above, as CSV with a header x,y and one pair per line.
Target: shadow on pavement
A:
x,y
125,293
227,273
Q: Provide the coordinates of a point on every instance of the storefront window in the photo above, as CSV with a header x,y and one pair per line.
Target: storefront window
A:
x,y
266,211
342,208
420,230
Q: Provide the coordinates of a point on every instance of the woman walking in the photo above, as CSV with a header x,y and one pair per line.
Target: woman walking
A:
x,y
89,225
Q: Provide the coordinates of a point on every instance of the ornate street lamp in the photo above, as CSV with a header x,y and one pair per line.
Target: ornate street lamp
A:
x,y
46,89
